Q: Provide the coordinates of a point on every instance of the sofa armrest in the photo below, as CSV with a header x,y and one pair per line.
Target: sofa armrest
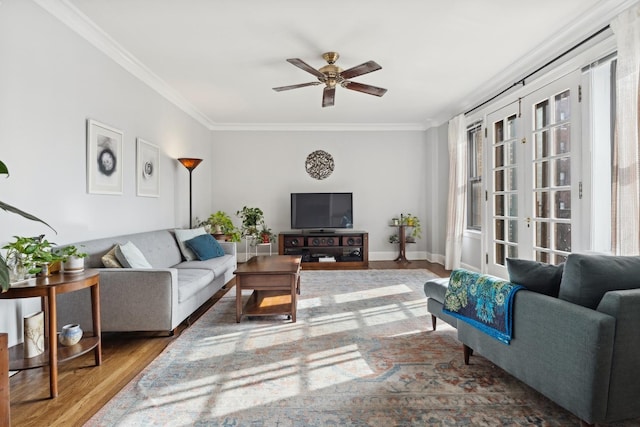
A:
x,y
624,385
146,298
229,248
561,349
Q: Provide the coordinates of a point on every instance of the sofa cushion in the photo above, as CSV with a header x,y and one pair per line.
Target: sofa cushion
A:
x,y
130,256
587,277
205,247
436,288
192,280
535,276
109,259
217,265
183,235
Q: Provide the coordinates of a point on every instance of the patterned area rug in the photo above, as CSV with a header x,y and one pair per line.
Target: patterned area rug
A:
x,y
361,353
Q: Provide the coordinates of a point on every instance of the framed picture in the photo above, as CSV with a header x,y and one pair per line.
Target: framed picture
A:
x,y
148,169
104,158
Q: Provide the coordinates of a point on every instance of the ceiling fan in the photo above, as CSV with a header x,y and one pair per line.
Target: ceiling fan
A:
x,y
332,75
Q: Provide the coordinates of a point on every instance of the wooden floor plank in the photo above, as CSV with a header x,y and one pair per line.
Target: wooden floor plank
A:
x,y
85,388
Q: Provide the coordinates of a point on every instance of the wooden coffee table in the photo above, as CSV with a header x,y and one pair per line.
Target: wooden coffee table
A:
x,y
275,281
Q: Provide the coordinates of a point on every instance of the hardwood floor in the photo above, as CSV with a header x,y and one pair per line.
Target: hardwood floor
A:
x,y
84,388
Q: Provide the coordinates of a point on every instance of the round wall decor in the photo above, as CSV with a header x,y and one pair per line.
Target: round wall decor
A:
x,y
319,164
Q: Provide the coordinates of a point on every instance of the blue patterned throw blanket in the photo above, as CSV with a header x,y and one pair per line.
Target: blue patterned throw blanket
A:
x,y
482,301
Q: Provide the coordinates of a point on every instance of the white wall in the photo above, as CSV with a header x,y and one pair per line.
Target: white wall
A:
x,y
385,171
51,81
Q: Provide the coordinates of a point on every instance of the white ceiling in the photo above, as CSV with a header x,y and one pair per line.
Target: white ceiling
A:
x,y
220,59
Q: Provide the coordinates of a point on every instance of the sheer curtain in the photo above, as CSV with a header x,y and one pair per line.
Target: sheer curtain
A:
x,y
457,191
626,167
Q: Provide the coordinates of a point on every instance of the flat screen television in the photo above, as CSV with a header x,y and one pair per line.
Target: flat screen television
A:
x,y
320,211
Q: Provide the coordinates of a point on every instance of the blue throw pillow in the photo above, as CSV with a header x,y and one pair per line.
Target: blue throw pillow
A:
x,y
205,247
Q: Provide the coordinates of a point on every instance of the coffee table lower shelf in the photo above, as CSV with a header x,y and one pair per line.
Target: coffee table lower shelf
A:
x,y
269,303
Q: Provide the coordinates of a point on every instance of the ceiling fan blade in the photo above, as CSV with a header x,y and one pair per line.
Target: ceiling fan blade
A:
x,y
361,69
281,88
328,96
306,67
359,87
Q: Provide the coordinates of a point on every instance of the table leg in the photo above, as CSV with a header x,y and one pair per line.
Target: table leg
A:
x,y
53,343
95,317
238,298
294,293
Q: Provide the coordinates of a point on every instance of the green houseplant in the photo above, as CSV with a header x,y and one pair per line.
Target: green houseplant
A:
x,y
251,218
266,235
4,268
221,223
72,258
30,255
413,222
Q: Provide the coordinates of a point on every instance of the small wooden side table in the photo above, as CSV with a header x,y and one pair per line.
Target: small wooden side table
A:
x,y
47,288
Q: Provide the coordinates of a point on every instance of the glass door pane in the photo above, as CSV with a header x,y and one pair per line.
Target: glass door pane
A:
x,y
503,186
532,176
552,160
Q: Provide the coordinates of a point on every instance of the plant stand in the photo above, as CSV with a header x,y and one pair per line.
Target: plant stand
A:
x,y
402,244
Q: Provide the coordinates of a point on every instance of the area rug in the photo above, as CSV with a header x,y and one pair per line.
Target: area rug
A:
x,y
361,353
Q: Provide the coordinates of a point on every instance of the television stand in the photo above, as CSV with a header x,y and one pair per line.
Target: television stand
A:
x,y
327,249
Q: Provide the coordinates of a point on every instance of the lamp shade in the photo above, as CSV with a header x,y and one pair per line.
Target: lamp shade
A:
x,y
189,163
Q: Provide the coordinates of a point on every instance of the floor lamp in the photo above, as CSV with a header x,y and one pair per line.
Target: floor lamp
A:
x,y
190,164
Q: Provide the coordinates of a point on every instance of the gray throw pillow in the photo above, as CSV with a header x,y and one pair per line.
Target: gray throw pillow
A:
x,y
182,235
535,276
130,256
587,277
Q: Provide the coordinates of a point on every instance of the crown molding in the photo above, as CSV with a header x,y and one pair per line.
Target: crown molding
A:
x,y
322,127
77,21
579,29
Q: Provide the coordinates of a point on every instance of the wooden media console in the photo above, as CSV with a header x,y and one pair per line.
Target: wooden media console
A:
x,y
343,249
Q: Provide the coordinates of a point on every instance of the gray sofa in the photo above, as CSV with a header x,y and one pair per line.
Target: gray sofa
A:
x,y
579,349
147,299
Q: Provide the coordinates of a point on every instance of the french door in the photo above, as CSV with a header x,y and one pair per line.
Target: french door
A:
x,y
532,198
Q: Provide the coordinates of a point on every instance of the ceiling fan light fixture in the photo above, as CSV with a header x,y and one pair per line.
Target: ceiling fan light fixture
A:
x,y
331,57
332,75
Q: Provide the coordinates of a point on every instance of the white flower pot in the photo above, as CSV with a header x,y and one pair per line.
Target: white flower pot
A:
x,y
73,264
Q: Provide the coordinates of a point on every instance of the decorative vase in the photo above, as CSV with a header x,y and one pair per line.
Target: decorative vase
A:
x,y
73,264
45,271
17,269
34,334
70,335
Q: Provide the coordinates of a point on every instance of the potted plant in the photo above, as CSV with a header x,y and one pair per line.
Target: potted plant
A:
x,y
266,235
30,255
394,238
72,258
413,222
4,268
222,227
251,219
